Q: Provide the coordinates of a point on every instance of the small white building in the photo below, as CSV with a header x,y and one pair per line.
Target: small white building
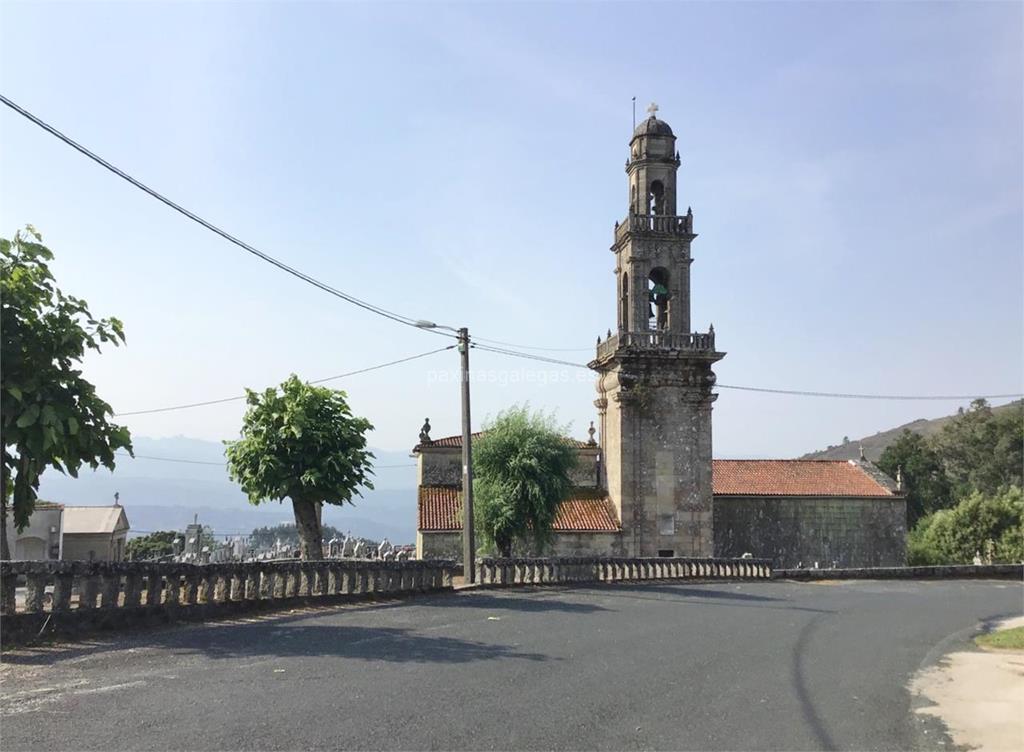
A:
x,y
41,539
95,533
57,531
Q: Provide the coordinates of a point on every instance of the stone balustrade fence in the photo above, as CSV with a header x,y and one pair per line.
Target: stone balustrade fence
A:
x,y
78,589
554,570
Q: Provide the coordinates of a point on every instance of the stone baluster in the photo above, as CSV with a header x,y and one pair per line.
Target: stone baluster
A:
x,y
305,581
35,590
154,587
191,589
172,595
251,583
8,584
220,585
261,581
207,584
236,585
273,580
63,584
89,587
292,582
110,592
132,589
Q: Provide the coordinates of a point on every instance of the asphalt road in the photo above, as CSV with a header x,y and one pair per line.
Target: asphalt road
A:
x,y
648,666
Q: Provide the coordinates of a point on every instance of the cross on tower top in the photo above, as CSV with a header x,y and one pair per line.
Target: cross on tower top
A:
x,y
652,108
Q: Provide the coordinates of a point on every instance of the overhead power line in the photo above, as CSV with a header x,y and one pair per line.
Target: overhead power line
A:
x,y
534,347
315,381
793,392
380,311
844,395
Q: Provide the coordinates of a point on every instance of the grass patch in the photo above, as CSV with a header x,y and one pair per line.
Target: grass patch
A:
x,y
1004,639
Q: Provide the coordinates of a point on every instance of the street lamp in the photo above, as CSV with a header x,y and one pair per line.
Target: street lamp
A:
x,y
468,537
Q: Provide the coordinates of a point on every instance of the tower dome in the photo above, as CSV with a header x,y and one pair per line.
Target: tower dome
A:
x,y
653,127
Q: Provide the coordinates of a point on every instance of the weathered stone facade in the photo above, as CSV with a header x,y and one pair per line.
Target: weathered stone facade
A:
x,y
822,531
654,374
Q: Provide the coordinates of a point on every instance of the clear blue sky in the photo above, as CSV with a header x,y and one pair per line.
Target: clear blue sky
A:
x,y
855,172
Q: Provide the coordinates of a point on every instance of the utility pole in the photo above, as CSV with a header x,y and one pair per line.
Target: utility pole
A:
x,y
468,533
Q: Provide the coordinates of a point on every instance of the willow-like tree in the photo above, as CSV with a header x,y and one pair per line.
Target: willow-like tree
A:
x,y
522,467
303,443
50,416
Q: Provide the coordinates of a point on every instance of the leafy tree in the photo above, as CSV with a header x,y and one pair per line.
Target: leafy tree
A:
x,y
989,526
152,546
302,443
522,465
924,475
50,415
983,450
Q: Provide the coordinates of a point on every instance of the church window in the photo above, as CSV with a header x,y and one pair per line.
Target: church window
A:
x,y
624,321
657,198
658,296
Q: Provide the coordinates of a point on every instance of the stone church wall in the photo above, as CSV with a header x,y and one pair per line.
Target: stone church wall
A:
x,y
853,532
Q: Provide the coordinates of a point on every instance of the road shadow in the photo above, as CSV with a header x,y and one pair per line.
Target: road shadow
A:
x,y
279,639
689,595
388,644
520,599
684,591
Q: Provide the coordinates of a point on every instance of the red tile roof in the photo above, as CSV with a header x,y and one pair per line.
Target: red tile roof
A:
x,y
456,441
586,510
794,478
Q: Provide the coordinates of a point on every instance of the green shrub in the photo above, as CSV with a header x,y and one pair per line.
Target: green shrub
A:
x,y
982,525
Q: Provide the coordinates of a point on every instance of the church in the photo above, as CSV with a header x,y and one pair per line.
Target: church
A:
x,y
649,486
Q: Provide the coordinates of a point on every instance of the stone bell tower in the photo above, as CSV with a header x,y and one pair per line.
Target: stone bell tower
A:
x,y
654,374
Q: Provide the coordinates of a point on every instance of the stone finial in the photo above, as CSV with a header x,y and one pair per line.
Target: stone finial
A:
x,y
862,457
425,432
609,334
599,339
591,431
689,211
711,329
652,108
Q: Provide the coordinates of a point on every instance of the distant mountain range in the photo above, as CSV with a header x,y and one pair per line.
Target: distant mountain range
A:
x,y
875,445
160,494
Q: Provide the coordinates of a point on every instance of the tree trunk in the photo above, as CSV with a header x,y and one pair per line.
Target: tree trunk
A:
x,y
5,551
307,523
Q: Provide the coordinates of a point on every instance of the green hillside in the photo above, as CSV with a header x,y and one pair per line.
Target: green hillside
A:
x,y
876,444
